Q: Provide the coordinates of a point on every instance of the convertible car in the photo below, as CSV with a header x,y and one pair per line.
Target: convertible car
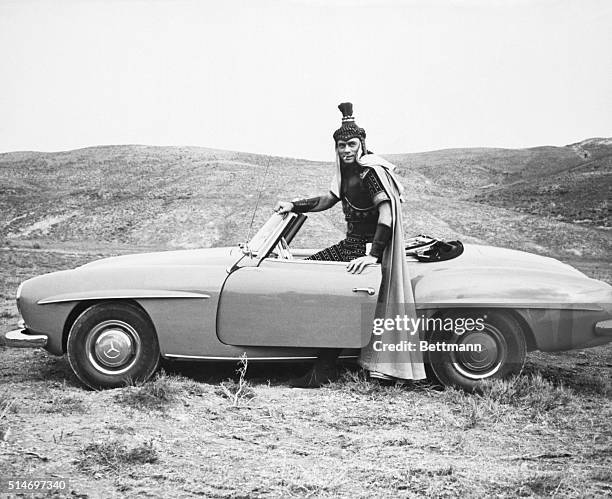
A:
x,y
115,318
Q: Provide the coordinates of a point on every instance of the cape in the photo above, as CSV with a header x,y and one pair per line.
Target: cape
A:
x,y
395,296
369,160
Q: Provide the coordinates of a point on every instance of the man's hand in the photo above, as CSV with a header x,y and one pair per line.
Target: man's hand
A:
x,y
357,265
283,207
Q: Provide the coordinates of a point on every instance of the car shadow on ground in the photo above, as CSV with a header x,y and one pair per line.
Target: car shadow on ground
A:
x,y
278,373
258,373
57,369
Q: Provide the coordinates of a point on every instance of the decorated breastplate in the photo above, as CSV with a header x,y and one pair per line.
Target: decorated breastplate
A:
x,y
356,199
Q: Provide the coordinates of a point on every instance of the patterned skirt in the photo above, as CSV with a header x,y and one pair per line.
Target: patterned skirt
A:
x,y
346,250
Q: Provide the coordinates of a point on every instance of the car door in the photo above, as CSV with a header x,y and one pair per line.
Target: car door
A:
x,y
298,303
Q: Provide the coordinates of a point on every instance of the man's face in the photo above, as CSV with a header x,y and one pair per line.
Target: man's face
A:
x,y
347,149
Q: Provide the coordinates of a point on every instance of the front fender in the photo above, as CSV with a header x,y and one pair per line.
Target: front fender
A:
x,y
175,297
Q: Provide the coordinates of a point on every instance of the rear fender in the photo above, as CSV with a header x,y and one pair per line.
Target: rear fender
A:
x,y
508,288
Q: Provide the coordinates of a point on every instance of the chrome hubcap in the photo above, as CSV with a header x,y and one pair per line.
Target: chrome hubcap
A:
x,y
485,362
113,347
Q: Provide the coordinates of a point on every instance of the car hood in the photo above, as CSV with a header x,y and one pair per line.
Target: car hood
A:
x,y
206,256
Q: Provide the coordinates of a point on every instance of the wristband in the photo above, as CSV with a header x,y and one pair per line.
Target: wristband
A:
x,y
304,205
381,238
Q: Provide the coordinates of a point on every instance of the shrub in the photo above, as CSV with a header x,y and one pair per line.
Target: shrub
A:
x,y
237,391
157,394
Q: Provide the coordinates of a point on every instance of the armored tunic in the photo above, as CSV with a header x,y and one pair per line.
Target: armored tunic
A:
x,y
360,194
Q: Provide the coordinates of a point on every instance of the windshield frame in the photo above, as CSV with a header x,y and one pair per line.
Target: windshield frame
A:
x,y
267,236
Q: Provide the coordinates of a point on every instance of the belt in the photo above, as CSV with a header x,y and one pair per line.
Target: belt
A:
x,y
361,230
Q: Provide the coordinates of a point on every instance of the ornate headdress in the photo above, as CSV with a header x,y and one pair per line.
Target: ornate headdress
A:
x,y
349,128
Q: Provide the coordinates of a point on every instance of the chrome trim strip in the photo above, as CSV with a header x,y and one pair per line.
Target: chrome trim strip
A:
x,y
204,357
47,301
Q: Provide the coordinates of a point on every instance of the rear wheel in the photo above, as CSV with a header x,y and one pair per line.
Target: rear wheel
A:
x,y
112,344
495,350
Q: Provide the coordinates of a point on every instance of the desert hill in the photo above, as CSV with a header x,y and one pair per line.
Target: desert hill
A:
x,y
180,197
579,192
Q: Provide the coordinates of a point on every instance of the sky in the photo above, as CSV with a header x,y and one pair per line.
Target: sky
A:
x,y
266,76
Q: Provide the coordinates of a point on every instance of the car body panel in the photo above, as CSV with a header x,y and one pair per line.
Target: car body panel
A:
x,y
297,303
195,257
185,307
565,329
474,285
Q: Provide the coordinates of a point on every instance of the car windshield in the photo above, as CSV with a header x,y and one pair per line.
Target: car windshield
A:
x,y
270,228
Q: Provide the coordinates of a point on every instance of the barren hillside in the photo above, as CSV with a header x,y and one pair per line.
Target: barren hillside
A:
x,y
180,197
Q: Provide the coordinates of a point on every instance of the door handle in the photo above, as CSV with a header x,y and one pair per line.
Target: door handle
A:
x,y
370,291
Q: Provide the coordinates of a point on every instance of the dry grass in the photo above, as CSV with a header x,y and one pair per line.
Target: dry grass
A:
x,y
531,391
8,404
499,401
159,394
64,403
529,436
114,457
596,382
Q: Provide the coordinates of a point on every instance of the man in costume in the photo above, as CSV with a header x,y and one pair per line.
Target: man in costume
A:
x,y
371,196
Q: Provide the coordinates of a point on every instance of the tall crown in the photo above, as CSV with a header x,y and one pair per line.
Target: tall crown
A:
x,y
349,128
346,108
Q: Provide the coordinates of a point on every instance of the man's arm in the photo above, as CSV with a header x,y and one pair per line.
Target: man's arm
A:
x,y
319,203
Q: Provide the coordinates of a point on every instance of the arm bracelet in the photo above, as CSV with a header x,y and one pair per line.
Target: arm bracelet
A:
x,y
304,205
381,238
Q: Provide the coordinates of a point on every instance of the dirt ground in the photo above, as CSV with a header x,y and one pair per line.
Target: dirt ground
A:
x,y
191,432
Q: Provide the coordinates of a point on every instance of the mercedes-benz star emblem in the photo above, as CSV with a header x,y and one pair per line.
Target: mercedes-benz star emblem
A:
x,y
112,352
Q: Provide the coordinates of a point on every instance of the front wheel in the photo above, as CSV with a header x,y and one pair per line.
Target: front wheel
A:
x,y
495,348
112,344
